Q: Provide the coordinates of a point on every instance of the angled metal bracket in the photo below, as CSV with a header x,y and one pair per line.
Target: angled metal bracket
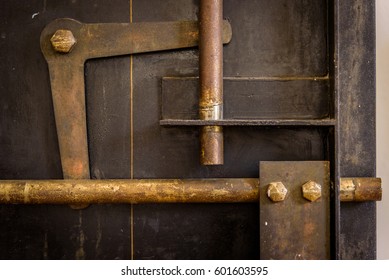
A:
x,y
67,44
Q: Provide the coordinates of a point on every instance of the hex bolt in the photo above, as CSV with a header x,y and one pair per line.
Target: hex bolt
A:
x,y
311,191
63,41
276,191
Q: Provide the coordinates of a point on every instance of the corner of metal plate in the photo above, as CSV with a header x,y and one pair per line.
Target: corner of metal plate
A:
x,y
295,227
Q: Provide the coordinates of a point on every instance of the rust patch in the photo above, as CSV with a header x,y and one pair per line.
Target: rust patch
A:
x,y
211,142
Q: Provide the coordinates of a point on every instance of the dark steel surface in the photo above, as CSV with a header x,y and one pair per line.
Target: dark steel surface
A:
x,y
251,98
294,228
99,40
354,86
129,191
211,80
212,145
196,231
285,38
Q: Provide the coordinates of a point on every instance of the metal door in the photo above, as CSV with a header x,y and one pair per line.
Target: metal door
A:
x,y
304,71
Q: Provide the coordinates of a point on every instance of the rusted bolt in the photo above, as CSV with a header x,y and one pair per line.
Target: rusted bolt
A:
x,y
63,41
276,191
311,191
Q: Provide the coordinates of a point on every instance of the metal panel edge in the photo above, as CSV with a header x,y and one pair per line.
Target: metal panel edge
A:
x,y
354,85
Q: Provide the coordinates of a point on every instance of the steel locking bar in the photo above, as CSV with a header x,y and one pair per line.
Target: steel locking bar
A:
x,y
236,190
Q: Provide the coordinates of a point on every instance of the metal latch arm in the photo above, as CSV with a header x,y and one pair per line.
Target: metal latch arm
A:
x,y
67,44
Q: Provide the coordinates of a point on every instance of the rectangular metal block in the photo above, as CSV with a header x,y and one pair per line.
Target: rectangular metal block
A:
x,y
295,228
248,98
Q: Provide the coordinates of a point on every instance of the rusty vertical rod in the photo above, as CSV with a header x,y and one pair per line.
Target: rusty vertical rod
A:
x,y
211,80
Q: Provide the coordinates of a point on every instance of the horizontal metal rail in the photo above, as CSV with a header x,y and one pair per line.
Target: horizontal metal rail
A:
x,y
129,191
237,190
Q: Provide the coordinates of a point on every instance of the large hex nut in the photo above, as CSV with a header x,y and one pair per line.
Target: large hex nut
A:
x,y
311,191
276,191
63,41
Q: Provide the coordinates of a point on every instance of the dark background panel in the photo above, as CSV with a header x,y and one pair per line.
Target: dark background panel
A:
x,y
250,98
108,114
196,231
276,38
244,147
28,140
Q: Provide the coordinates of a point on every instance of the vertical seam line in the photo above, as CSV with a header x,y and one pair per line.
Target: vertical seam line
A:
x,y
131,144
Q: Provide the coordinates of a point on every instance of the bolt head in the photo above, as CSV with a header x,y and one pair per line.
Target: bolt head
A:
x,y
63,41
276,191
311,191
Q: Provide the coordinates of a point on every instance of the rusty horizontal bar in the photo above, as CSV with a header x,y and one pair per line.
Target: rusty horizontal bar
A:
x,y
237,190
95,40
129,191
360,189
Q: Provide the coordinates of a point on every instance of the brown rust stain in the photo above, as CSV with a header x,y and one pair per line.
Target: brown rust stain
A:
x,y
194,35
309,229
211,96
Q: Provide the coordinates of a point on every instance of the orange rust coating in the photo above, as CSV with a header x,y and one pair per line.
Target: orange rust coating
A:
x,y
129,191
68,89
